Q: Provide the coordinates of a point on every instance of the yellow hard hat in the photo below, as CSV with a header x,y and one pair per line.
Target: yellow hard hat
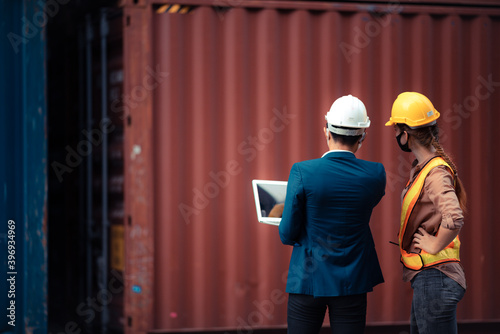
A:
x,y
414,110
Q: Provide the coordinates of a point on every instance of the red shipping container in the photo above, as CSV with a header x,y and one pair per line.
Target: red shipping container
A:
x,y
224,92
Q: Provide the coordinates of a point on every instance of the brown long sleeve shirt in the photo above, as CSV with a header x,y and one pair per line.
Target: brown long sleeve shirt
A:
x,y
438,206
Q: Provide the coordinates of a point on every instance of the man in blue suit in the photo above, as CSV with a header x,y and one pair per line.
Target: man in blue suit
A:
x,y
326,217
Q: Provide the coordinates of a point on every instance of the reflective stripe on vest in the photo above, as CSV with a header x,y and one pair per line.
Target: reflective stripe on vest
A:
x,y
418,261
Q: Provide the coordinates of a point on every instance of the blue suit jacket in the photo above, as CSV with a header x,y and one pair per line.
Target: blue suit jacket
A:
x,y
326,217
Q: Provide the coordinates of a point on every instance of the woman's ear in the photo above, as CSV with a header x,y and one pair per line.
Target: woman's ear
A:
x,y
406,138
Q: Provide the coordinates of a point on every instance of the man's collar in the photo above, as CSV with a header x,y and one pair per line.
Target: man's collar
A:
x,y
337,151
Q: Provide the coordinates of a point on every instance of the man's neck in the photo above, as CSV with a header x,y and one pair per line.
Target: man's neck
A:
x,y
338,146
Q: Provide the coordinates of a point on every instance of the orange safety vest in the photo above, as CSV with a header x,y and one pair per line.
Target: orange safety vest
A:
x,y
418,261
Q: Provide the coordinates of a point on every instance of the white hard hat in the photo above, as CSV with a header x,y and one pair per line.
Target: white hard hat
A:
x,y
347,112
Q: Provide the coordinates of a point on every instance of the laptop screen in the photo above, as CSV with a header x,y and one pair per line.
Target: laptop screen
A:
x,y
269,200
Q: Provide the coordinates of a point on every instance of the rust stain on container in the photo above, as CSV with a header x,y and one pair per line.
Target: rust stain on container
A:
x,y
138,169
245,97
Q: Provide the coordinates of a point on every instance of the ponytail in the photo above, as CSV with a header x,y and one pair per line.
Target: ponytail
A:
x,y
459,187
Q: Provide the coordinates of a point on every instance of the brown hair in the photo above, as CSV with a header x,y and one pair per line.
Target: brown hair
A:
x,y
429,136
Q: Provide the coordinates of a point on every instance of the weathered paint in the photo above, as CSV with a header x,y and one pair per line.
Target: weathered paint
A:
x,y
23,174
138,171
246,86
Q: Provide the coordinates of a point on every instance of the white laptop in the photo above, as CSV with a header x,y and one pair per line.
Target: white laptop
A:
x,y
269,195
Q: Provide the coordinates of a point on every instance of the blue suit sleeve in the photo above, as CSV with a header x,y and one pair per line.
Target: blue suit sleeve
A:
x,y
383,181
292,219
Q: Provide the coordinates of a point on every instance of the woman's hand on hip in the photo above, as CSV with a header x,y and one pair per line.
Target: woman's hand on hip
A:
x,y
434,244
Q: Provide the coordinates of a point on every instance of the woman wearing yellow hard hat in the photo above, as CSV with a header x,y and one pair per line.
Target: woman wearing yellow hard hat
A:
x,y
431,218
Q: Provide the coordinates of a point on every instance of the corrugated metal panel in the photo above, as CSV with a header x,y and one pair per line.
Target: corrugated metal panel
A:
x,y
445,7
23,174
241,94
136,103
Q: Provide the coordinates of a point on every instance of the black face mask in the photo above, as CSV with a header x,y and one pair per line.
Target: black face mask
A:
x,y
404,147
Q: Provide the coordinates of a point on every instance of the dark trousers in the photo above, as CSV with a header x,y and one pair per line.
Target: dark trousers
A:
x,y
306,314
434,304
